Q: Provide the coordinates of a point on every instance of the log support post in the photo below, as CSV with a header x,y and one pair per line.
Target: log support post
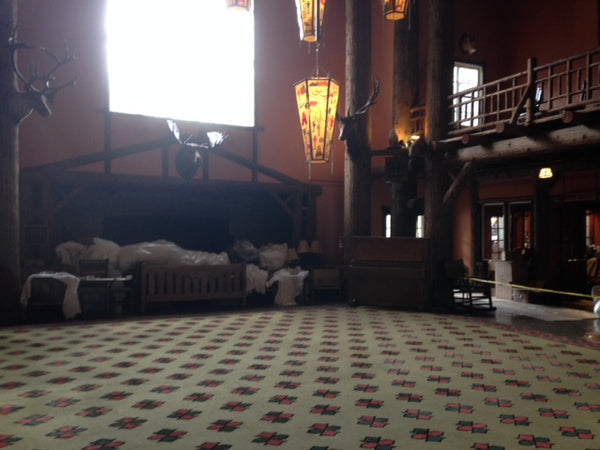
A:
x,y
10,258
405,95
357,171
439,83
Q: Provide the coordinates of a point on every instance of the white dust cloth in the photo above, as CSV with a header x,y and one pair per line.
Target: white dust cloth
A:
x,y
256,279
291,283
71,306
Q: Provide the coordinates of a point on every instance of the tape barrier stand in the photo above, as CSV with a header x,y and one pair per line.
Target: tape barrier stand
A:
x,y
534,289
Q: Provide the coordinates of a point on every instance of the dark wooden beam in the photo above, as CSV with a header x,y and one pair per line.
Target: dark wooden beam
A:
x,y
505,129
535,130
84,160
522,101
458,182
124,182
478,139
569,117
284,203
278,176
571,138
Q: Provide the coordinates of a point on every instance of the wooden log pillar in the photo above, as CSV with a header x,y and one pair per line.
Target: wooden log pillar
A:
x,y
357,172
476,222
439,86
405,96
10,261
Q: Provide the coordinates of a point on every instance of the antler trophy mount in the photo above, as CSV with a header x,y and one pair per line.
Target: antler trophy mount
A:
x,y
189,155
348,125
38,90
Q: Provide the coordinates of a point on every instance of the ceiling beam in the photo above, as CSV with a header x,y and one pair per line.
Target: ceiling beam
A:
x,y
573,138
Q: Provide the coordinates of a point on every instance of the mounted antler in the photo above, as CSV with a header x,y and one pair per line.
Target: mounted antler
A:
x,y
348,131
39,91
189,158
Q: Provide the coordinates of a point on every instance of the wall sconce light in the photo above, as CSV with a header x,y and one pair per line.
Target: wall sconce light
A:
x,y
395,9
239,4
545,173
317,99
414,137
310,19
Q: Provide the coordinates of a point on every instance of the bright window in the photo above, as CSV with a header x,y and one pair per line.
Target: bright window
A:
x,y
420,231
387,224
181,59
497,236
467,108
493,231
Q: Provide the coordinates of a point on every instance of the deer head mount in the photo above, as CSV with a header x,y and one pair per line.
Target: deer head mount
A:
x,y
189,158
38,90
348,128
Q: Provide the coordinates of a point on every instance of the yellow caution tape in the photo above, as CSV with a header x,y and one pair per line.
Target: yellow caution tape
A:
x,y
533,289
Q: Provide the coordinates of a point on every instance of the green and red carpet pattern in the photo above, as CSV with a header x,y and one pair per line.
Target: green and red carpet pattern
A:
x,y
316,377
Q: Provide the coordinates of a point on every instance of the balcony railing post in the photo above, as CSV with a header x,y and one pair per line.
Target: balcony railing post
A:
x,y
530,105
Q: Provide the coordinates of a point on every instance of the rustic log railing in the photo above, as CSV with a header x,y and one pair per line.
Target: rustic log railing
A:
x,y
539,93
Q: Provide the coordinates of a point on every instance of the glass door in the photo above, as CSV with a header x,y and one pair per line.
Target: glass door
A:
x,y
493,245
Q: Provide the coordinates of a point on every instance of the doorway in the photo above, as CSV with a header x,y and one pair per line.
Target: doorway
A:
x,y
579,241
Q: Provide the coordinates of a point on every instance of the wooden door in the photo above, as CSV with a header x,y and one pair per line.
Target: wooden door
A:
x,y
572,248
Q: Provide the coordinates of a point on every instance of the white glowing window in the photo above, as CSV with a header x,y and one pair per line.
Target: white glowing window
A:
x,y
467,107
181,59
420,231
387,225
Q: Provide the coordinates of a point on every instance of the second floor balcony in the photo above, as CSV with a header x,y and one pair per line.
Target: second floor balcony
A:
x,y
559,94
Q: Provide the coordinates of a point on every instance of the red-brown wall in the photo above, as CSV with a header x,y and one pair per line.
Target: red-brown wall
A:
x,y
506,33
77,125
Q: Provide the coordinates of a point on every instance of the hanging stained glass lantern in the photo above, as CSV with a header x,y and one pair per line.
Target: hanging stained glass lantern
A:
x,y
310,19
317,99
239,4
395,9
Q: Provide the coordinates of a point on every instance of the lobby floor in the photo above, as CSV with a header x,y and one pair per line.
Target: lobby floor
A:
x,y
531,316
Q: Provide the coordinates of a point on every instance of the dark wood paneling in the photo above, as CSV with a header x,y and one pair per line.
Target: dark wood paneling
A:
x,y
389,272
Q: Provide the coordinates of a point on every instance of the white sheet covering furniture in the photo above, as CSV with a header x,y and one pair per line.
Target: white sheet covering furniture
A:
x,y
71,307
291,284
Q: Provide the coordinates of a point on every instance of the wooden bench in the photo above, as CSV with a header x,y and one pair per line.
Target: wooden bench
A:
x,y
186,283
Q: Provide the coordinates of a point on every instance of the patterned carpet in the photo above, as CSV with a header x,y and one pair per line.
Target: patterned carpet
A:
x,y
315,377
